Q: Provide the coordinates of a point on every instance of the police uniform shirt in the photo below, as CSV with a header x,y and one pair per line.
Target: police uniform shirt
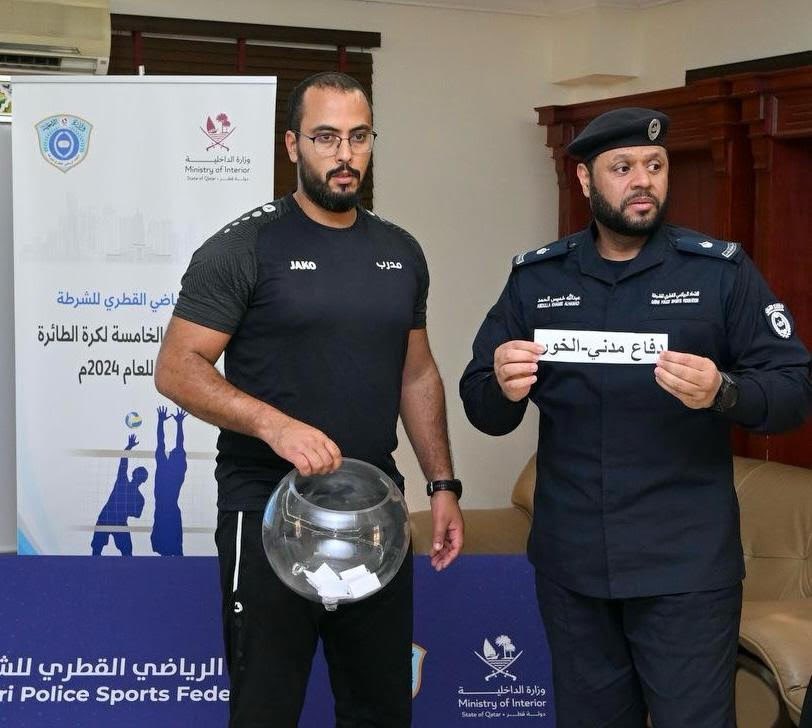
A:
x,y
634,492
319,319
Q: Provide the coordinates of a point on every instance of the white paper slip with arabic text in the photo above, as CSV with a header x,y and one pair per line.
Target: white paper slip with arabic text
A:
x,y
600,347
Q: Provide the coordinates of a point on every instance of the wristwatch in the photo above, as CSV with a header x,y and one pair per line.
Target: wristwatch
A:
x,y
454,485
727,395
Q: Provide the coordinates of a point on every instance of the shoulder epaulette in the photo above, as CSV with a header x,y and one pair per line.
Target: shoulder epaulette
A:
x,y
688,241
546,252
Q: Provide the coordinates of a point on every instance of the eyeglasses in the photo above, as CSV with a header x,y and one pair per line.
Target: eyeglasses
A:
x,y
327,144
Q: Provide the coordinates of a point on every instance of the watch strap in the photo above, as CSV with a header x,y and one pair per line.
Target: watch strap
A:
x,y
452,484
727,394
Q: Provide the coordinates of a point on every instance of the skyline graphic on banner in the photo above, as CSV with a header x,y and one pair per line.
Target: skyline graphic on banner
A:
x,y
88,233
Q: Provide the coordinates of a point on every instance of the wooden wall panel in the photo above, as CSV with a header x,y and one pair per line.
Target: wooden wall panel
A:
x,y
692,190
776,110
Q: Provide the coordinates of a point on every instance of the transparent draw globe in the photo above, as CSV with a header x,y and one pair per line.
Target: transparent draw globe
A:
x,y
339,537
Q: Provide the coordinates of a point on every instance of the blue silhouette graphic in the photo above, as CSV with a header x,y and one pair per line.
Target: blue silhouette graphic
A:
x,y
167,530
125,500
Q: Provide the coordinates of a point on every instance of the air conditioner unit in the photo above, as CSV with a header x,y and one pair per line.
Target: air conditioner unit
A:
x,y
54,36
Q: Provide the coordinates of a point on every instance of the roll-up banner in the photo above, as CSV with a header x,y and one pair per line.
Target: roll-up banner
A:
x,y
116,182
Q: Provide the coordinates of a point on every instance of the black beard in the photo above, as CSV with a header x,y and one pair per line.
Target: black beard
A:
x,y
319,191
614,218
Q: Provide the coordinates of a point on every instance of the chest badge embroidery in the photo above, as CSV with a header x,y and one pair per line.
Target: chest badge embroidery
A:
x,y
675,298
563,301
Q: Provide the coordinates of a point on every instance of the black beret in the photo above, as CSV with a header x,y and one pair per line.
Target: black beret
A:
x,y
628,127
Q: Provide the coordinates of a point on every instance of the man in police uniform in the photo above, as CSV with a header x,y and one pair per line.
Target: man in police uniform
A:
x,y
635,534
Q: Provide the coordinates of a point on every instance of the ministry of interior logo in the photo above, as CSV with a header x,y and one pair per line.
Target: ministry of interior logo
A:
x,y
499,658
63,140
218,131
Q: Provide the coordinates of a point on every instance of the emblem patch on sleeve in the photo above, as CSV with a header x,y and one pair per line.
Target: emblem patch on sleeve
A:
x,y
779,320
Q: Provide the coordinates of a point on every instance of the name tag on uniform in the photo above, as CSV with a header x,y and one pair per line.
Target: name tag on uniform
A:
x,y
600,347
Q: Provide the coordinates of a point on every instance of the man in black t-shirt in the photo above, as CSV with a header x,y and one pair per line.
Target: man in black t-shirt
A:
x,y
320,307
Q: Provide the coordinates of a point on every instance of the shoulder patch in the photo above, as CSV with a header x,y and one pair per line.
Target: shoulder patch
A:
x,y
690,242
779,320
546,252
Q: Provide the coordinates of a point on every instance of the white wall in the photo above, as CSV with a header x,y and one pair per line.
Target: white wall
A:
x,y
461,162
657,45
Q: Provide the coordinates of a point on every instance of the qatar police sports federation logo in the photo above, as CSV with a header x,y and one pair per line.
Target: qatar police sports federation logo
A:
x,y
63,140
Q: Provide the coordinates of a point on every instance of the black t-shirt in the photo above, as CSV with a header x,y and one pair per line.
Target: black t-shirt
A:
x,y
319,319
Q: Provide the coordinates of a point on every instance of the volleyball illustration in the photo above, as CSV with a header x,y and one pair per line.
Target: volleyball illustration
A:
x,y
132,420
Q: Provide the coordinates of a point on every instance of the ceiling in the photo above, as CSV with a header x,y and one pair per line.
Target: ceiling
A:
x,y
540,8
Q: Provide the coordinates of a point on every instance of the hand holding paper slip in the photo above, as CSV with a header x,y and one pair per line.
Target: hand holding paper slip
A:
x,y
515,364
600,347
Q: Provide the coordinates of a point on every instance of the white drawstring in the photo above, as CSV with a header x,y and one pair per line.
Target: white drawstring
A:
x,y
238,550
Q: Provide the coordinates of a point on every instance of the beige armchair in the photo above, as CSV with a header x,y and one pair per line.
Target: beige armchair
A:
x,y
775,639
